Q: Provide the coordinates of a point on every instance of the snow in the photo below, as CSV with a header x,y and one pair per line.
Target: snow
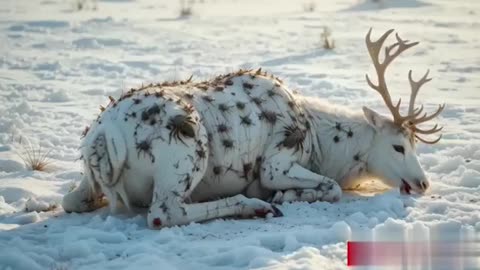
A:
x,y
58,65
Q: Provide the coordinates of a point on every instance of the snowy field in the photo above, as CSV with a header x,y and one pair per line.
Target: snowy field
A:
x,y
58,64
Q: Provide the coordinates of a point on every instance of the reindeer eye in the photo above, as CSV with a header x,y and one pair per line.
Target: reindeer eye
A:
x,y
399,149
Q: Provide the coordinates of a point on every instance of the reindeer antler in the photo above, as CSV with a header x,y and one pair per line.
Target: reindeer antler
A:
x,y
412,118
415,120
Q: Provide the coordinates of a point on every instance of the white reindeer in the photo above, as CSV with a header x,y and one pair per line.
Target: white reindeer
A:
x,y
198,151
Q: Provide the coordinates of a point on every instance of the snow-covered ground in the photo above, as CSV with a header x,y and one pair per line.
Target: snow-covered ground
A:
x,y
57,65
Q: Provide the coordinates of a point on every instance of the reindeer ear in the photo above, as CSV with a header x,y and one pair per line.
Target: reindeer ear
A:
x,y
375,119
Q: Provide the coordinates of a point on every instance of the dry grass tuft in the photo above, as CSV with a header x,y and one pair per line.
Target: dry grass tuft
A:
x,y
80,5
186,9
309,7
34,157
328,42
185,12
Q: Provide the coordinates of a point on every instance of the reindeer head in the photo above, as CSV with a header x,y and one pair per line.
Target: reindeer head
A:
x,y
393,158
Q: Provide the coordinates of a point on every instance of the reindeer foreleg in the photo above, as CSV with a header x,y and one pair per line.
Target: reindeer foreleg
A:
x,y
281,172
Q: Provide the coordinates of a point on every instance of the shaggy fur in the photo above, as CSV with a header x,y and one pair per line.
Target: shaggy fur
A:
x,y
230,147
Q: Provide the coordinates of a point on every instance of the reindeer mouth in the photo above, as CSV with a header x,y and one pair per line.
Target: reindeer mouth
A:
x,y
405,188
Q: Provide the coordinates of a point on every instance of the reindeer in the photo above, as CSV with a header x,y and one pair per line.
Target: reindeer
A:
x,y
242,142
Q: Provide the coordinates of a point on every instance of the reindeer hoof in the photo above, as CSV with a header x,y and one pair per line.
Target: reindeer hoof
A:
x,y
263,213
277,212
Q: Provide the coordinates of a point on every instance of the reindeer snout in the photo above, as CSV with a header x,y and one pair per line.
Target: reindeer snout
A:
x,y
422,184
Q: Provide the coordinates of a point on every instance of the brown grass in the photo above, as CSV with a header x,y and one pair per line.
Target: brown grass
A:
x,y
80,5
186,9
328,43
185,12
309,7
34,157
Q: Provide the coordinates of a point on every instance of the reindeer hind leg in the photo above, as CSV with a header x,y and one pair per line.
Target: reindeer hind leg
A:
x,y
170,208
282,172
83,198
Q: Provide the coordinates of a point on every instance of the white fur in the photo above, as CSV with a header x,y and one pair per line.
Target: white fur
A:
x,y
247,139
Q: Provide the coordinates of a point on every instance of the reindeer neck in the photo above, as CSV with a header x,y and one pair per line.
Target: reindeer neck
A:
x,y
343,141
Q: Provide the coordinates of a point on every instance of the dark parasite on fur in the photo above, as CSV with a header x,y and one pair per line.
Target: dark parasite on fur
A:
x,y
294,137
181,125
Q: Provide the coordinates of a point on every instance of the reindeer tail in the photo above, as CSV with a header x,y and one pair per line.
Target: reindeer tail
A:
x,y
105,155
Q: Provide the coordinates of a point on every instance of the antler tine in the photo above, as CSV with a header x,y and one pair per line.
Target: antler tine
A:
x,y
416,112
374,48
428,142
426,117
415,87
414,116
435,129
402,45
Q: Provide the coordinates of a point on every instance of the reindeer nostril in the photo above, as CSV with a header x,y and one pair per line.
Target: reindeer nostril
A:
x,y
425,184
422,184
